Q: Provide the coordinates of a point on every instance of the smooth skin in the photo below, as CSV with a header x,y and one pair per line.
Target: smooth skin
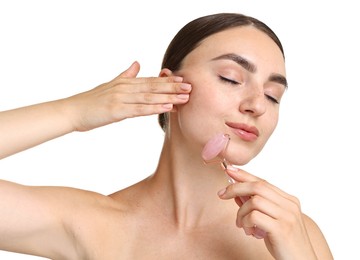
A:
x,y
182,210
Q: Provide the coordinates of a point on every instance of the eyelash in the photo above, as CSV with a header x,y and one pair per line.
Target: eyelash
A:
x,y
272,99
233,82
230,81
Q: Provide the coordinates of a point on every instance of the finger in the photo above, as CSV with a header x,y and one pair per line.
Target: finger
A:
x,y
271,205
131,72
250,227
152,85
240,200
245,190
258,196
129,76
248,200
254,224
260,204
168,86
255,232
240,175
135,110
149,98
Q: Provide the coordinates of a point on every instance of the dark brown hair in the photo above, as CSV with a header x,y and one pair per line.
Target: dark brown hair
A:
x,y
191,35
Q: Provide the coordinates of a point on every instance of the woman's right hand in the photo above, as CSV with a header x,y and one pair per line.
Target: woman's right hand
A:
x,y
123,97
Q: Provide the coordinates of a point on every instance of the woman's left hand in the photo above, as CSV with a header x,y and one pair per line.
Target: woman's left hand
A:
x,y
268,213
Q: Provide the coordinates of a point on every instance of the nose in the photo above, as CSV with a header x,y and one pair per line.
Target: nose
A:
x,y
253,101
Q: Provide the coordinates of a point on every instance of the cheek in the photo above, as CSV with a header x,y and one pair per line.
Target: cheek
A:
x,y
269,125
201,116
210,96
198,111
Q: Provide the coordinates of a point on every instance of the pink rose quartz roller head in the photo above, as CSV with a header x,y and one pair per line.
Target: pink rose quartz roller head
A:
x,y
212,149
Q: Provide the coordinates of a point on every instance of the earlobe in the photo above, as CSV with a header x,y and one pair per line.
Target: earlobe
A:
x,y
165,73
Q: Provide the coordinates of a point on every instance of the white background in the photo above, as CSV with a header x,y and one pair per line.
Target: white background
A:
x,y
53,49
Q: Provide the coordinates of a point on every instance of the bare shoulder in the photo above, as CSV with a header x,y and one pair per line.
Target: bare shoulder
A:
x,y
50,221
317,238
94,221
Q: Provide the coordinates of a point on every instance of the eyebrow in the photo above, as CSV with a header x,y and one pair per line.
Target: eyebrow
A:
x,y
251,67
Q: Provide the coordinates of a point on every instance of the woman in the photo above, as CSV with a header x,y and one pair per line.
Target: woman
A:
x,y
235,65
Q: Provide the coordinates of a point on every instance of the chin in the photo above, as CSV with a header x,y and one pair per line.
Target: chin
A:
x,y
240,155
239,161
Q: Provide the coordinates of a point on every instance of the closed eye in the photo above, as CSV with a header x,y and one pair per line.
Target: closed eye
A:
x,y
233,82
227,80
272,99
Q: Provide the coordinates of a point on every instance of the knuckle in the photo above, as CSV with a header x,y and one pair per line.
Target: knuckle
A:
x,y
114,100
113,109
139,109
170,79
289,221
296,201
153,87
148,97
258,186
296,206
136,111
230,189
254,216
117,96
255,201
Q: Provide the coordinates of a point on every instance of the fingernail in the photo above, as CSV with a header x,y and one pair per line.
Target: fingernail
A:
x,y
167,106
238,223
231,168
221,192
183,96
259,234
185,86
178,79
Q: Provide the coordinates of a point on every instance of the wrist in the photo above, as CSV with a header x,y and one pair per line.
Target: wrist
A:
x,y
67,111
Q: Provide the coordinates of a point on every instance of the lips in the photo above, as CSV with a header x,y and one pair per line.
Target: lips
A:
x,y
245,132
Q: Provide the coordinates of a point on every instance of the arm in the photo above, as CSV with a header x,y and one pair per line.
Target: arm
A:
x,y
26,127
47,221
30,222
37,220
123,97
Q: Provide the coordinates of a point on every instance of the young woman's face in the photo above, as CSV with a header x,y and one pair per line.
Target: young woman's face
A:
x,y
238,79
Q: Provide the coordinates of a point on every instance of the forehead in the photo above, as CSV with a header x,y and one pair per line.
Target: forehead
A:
x,y
246,41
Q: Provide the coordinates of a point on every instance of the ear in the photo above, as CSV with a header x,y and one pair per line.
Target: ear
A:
x,y
165,73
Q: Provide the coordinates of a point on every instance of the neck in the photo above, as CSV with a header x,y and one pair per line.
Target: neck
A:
x,y
186,187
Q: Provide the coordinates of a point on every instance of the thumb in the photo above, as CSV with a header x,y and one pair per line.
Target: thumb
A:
x,y
131,72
